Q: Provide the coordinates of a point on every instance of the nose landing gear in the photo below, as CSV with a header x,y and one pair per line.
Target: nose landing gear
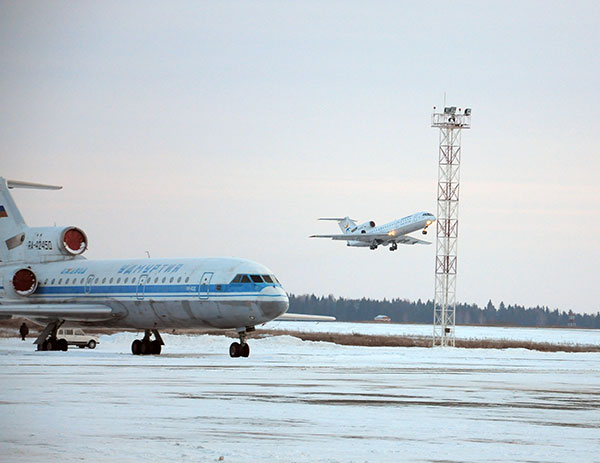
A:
x,y
241,349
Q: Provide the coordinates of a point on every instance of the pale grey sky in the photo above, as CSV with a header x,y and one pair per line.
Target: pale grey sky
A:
x,y
227,128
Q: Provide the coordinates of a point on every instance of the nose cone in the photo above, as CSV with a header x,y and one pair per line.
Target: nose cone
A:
x,y
274,302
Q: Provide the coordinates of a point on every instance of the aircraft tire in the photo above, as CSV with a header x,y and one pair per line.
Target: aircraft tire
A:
x,y
235,349
62,344
245,350
91,344
146,348
156,347
136,347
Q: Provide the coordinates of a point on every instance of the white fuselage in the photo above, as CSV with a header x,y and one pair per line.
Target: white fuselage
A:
x,y
398,227
157,293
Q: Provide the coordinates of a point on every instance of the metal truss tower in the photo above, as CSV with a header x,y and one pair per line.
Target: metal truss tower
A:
x,y
450,123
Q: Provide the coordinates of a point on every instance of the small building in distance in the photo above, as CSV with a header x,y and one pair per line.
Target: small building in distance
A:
x,y
382,318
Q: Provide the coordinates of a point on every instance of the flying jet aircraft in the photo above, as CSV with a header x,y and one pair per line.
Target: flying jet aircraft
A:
x,y
392,233
44,277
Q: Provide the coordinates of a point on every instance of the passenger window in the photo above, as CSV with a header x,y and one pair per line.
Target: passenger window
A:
x,y
125,280
118,280
46,281
52,282
96,281
132,280
187,279
110,281
156,280
245,279
267,278
67,281
103,280
256,279
59,281
171,280
179,280
81,281
164,279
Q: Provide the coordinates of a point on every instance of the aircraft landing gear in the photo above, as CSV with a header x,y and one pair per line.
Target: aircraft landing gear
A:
x,y
424,231
393,247
241,349
373,247
146,346
48,340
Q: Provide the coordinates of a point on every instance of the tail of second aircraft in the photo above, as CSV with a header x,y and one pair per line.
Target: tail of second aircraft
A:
x,y
346,224
14,230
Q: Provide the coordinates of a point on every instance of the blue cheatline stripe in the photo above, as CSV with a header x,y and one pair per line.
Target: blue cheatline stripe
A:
x,y
152,289
178,296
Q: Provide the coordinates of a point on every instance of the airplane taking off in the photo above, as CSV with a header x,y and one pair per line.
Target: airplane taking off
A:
x,y
392,233
45,278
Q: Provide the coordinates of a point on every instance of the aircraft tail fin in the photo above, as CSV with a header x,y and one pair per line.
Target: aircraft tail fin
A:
x,y
12,224
346,224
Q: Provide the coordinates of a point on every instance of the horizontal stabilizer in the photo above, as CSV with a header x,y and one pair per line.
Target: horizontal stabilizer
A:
x,y
30,185
305,317
73,312
337,219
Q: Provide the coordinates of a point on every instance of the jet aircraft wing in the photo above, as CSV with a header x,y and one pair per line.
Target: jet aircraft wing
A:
x,y
305,317
73,312
370,237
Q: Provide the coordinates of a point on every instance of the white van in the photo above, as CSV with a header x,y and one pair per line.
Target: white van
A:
x,y
76,337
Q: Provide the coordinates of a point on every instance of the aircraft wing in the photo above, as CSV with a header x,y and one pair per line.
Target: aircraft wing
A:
x,y
73,312
370,237
305,317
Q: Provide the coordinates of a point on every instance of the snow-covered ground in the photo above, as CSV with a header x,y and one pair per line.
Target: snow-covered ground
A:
x,y
295,401
553,335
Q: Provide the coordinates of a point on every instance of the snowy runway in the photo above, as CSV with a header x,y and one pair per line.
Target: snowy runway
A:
x,y
296,401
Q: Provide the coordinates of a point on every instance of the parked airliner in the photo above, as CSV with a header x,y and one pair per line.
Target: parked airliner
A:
x,y
45,278
392,233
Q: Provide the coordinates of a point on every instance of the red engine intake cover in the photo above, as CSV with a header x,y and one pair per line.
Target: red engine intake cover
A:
x,y
75,241
25,282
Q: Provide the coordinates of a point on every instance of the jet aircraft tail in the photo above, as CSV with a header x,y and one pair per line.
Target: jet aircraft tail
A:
x,y
12,225
346,224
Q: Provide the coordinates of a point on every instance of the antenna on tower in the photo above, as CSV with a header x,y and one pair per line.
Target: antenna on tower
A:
x,y
450,123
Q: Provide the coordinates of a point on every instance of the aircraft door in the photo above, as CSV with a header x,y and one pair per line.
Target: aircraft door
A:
x,y
204,287
141,287
88,284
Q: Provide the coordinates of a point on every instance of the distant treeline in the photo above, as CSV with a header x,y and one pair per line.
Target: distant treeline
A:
x,y
404,311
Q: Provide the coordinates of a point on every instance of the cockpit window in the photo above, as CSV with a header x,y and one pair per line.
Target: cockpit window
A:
x,y
267,278
256,278
275,279
237,278
245,279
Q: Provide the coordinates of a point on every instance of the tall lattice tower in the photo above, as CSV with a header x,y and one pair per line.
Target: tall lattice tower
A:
x,y
450,122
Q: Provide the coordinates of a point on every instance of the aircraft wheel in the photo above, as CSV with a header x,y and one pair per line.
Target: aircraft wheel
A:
x,y
235,349
146,347
156,347
136,347
424,232
245,350
62,344
91,344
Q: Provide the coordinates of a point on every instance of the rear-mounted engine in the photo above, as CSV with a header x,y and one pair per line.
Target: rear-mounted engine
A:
x,y
74,241
25,282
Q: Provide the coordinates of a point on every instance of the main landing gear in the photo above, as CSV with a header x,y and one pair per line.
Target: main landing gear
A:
x,y
48,340
373,247
241,349
393,247
145,346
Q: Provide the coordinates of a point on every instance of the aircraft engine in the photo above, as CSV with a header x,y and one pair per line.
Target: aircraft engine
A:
x,y
25,282
73,241
362,228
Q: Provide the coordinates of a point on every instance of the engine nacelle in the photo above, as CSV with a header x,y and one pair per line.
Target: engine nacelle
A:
x,y
364,227
24,282
55,241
